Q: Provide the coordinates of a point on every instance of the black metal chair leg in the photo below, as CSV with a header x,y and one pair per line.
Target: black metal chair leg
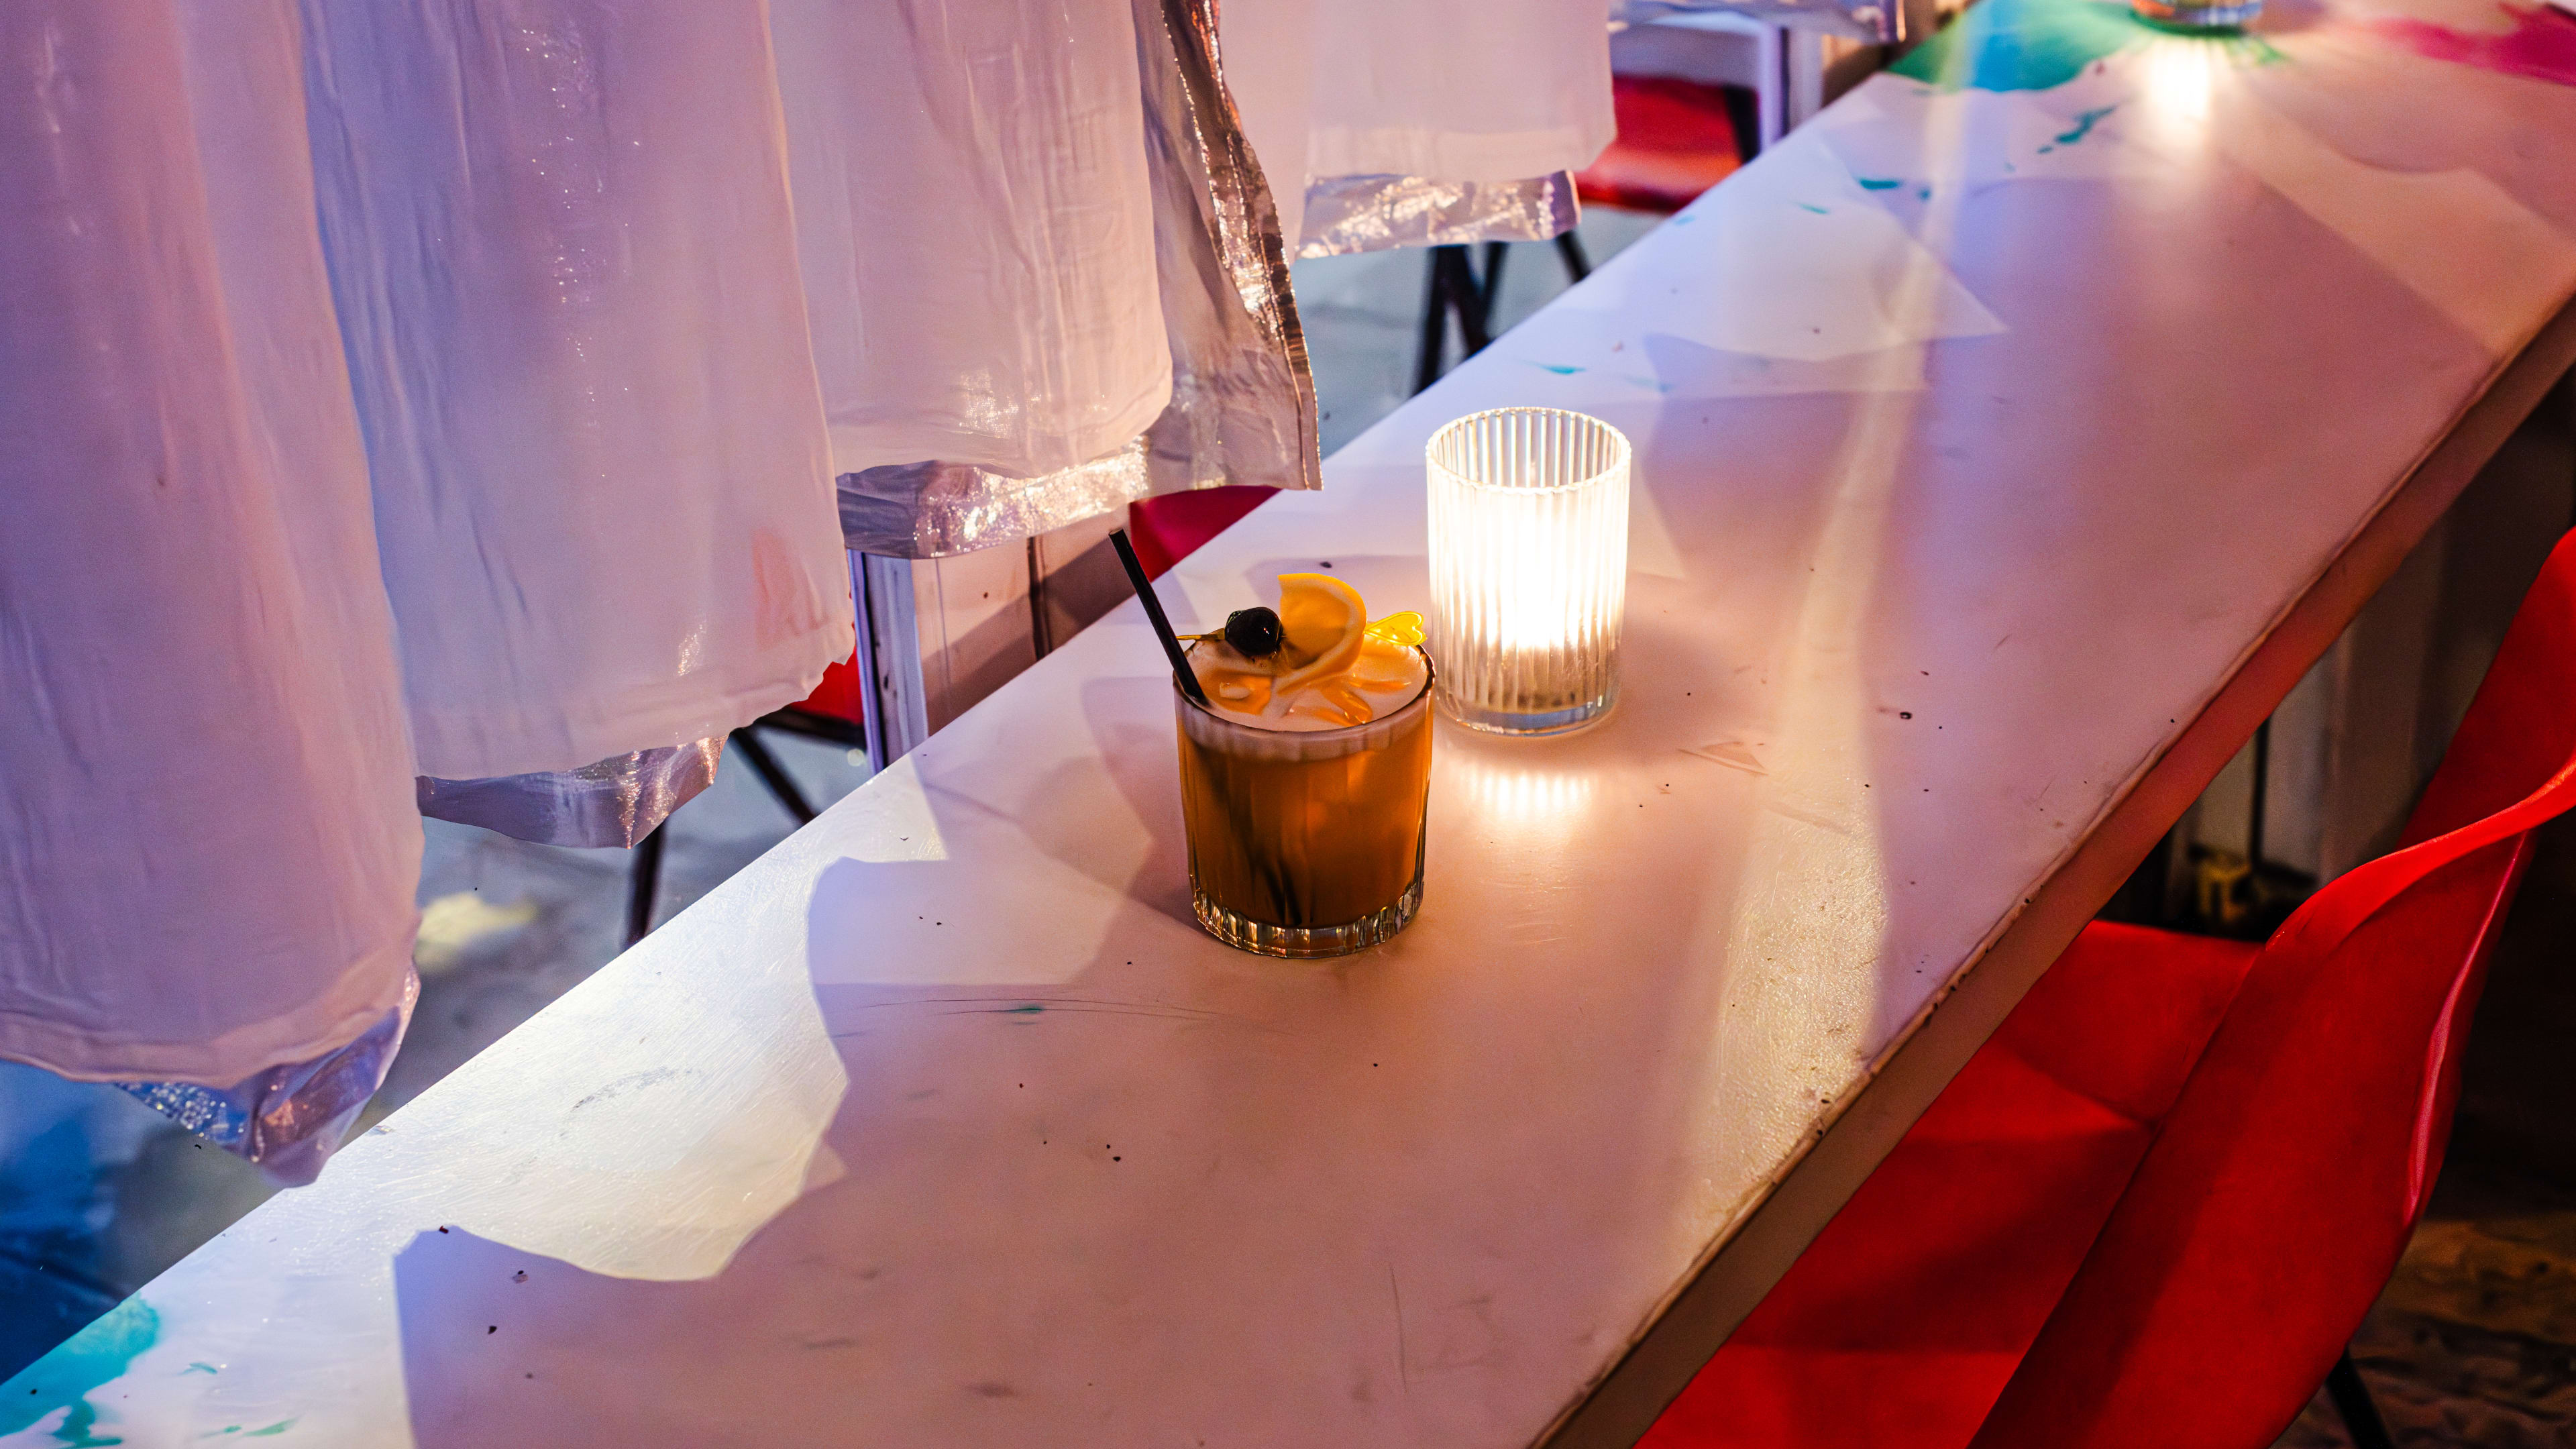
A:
x,y
1435,322
1490,285
1570,247
1744,114
644,885
1466,297
2262,794
771,773
2353,1402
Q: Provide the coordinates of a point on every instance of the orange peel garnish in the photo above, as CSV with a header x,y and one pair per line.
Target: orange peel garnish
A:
x,y
1403,630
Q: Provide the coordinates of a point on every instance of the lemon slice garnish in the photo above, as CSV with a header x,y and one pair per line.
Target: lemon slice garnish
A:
x,y
1325,622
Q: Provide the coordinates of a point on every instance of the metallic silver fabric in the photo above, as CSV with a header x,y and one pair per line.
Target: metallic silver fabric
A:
x,y
1876,22
932,510
616,801
288,1118
1346,214
1243,400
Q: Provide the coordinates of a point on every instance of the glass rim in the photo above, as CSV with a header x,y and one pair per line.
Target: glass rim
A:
x,y
1430,676
1619,460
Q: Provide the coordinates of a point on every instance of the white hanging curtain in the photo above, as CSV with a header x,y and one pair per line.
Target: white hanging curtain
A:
x,y
977,224
1421,123
560,237
207,843
1045,272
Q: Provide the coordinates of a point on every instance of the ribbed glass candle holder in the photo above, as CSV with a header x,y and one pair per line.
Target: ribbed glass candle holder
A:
x,y
1529,568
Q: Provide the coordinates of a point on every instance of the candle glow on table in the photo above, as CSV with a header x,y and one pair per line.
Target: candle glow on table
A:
x,y
1529,567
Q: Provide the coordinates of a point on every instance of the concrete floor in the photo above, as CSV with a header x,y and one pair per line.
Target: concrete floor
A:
x,y
2473,1343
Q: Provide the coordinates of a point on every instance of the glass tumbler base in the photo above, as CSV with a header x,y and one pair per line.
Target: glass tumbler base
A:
x,y
1549,722
1304,943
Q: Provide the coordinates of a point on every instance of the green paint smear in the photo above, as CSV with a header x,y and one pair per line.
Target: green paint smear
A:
x,y
95,1356
1559,368
1818,210
280,1427
2023,45
2085,121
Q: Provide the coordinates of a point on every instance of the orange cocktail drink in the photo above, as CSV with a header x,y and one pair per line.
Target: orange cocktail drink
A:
x,y
1303,778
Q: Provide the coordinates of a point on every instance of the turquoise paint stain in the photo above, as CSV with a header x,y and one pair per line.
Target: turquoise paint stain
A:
x,y
1878,183
1926,193
95,1356
1559,368
1818,210
2085,121
1032,1009
2023,45
199,1368
280,1427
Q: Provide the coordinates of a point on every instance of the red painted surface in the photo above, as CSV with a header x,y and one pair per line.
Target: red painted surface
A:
x,y
1675,141
2541,44
2155,1205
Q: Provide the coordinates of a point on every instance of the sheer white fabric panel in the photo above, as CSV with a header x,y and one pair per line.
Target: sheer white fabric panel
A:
x,y
975,215
207,841
560,238
1442,90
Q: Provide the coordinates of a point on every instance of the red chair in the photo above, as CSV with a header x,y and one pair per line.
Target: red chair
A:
x,y
1677,138
2153,1208
1169,527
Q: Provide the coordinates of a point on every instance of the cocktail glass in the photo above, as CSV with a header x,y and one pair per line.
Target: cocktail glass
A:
x,y
1305,843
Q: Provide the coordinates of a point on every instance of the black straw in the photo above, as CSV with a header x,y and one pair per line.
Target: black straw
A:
x,y
1185,676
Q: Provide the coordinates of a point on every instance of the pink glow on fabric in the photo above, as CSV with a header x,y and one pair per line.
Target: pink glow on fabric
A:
x,y
2542,43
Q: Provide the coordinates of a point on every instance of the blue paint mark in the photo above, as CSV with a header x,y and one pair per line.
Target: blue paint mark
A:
x,y
2044,150
198,1368
1656,384
1559,368
1032,1009
2084,123
95,1356
280,1427
1924,193
1878,183
1818,210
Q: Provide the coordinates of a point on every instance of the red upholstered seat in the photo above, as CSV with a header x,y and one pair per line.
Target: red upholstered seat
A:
x,y
1675,141
2153,1208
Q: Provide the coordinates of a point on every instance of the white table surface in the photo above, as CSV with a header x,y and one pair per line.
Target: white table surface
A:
x,y
942,1124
